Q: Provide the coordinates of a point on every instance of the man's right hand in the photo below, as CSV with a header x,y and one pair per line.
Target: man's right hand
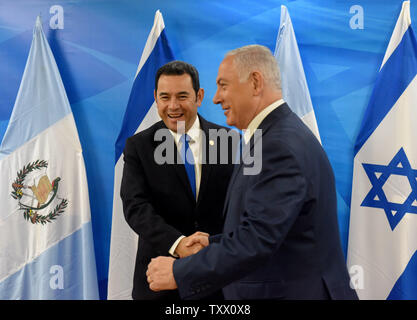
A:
x,y
192,244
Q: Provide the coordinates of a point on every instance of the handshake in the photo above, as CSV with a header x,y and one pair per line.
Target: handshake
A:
x,y
192,244
160,274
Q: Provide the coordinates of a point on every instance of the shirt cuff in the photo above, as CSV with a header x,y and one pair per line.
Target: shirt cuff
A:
x,y
174,246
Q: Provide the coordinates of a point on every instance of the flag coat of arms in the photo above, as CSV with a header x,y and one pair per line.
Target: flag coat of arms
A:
x,y
383,219
141,113
293,81
46,243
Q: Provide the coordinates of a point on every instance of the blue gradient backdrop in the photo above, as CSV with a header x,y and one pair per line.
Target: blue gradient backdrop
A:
x,y
98,51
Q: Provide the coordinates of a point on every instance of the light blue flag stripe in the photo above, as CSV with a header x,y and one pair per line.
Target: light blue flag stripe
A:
x,y
291,67
31,106
40,279
141,97
293,81
394,77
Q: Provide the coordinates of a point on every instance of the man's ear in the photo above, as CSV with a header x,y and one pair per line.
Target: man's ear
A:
x,y
200,96
154,94
257,82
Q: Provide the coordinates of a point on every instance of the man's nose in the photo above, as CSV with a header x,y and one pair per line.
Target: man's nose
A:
x,y
216,98
173,104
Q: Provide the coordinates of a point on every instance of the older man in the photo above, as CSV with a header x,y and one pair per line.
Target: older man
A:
x,y
280,238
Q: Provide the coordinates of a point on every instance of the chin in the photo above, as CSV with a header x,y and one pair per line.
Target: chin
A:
x,y
230,122
173,124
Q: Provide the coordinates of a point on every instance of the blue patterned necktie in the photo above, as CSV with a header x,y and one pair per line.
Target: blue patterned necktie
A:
x,y
188,161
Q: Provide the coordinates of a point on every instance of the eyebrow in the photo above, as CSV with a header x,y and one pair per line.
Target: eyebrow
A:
x,y
162,93
183,92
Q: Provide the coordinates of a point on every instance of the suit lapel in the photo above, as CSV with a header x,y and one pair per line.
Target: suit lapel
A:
x,y
229,188
178,167
269,120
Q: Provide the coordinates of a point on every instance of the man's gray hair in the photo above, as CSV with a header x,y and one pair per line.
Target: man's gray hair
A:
x,y
256,58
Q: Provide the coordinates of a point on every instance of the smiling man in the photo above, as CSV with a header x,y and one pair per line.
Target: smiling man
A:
x,y
166,203
280,238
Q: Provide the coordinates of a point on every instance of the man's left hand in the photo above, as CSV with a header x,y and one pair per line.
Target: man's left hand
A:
x,y
160,274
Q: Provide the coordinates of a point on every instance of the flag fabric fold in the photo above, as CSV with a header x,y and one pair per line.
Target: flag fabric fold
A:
x,y
293,81
46,243
383,219
140,114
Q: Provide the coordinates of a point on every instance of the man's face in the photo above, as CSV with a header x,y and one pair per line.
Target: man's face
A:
x,y
177,101
234,96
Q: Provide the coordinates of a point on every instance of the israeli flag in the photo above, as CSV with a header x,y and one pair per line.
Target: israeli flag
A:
x,y
293,81
383,219
141,113
46,243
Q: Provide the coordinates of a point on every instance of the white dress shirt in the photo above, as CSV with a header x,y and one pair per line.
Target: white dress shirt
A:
x,y
254,124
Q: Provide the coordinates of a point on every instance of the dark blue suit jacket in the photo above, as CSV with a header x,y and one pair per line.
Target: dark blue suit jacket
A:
x,y
158,202
280,238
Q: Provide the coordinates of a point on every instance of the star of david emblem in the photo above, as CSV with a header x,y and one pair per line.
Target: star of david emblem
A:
x,y
377,198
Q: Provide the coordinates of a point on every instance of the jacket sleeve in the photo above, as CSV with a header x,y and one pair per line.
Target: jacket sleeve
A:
x,y
138,206
272,202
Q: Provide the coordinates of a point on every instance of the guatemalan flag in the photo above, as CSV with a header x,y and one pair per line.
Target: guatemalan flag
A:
x,y
46,243
293,81
141,113
383,219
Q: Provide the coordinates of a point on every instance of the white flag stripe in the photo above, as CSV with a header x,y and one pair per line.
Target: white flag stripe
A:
x,y
310,120
400,28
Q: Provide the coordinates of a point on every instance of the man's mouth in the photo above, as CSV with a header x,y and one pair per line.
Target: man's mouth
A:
x,y
226,110
175,115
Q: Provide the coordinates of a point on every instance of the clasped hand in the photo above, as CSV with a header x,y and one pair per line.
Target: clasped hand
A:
x,y
160,274
192,244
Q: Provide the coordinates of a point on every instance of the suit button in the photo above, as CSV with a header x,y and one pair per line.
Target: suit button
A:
x,y
196,225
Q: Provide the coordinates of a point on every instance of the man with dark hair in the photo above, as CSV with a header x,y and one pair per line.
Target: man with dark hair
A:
x,y
178,68
166,203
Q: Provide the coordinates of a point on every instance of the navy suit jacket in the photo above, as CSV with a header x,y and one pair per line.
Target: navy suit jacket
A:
x,y
280,238
158,202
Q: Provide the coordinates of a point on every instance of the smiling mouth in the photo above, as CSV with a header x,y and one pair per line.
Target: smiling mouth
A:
x,y
175,116
226,110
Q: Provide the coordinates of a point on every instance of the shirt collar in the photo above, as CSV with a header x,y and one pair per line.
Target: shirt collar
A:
x,y
254,124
